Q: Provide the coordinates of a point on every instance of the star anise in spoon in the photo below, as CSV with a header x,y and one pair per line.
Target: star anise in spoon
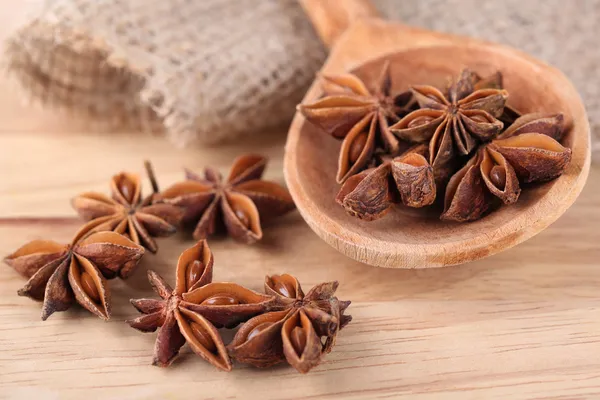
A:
x,y
454,124
241,203
192,312
407,178
359,116
496,81
62,274
304,329
127,213
528,151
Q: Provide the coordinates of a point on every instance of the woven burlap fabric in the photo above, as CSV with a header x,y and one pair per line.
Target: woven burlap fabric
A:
x,y
197,69
213,69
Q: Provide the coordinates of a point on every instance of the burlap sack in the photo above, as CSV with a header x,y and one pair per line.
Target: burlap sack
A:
x,y
214,69
197,69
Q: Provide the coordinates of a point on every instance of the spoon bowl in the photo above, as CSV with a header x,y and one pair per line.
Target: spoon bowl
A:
x,y
410,238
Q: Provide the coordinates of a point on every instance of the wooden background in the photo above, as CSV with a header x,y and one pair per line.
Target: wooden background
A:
x,y
521,324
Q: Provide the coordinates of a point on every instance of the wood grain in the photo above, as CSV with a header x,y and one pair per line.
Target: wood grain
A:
x,y
524,324
409,238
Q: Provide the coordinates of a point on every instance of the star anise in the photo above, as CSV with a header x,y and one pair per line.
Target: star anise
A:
x,y
496,81
241,203
408,178
528,151
61,274
358,116
304,329
452,124
127,213
195,309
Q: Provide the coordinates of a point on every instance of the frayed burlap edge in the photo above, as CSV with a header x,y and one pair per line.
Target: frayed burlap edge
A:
x,y
197,71
40,57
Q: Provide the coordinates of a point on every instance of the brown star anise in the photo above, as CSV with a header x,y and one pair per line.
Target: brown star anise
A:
x,y
304,329
408,178
126,213
528,151
195,309
453,123
241,203
60,274
496,81
358,116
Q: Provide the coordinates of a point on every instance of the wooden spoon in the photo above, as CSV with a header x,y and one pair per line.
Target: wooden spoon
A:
x,y
408,238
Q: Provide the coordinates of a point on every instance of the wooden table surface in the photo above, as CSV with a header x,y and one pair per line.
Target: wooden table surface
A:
x,y
521,324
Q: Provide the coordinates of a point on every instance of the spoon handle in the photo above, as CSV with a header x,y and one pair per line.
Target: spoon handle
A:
x,y
331,17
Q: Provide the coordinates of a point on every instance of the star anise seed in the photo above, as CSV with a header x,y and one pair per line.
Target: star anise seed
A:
x,y
192,312
454,124
408,178
359,116
526,152
304,329
128,214
240,204
61,274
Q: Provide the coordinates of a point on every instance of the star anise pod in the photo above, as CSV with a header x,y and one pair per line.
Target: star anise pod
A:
x,y
241,203
61,274
552,125
452,124
194,310
358,116
496,81
528,151
303,330
128,213
408,178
